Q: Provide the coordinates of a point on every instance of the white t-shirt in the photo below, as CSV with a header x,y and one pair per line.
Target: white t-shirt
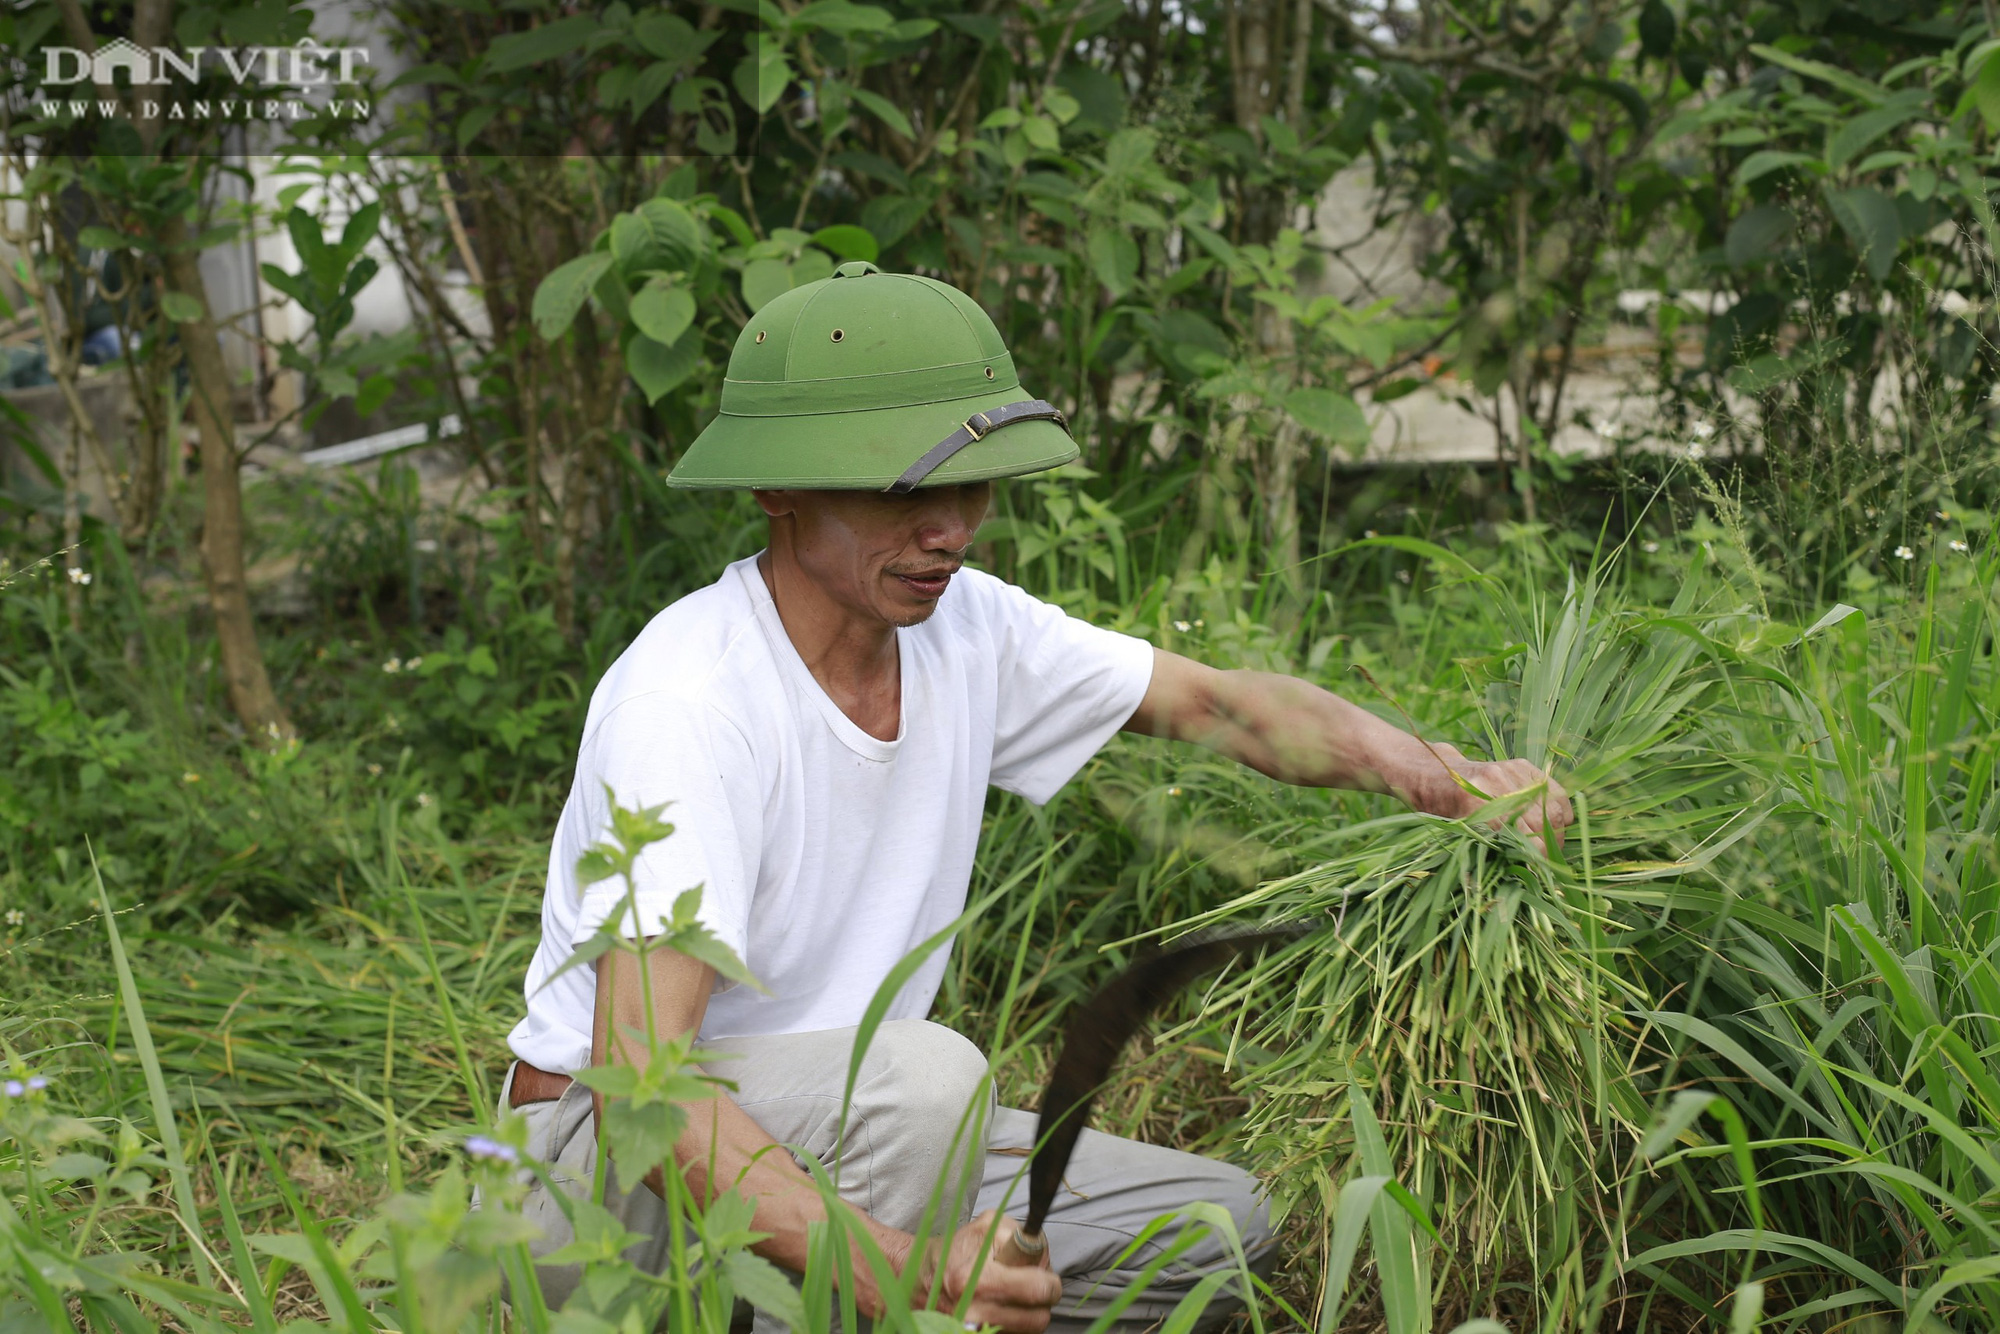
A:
x,y
824,854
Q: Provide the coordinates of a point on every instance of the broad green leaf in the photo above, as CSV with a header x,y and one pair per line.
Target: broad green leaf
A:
x,y
1870,220
812,265
373,393
667,36
562,294
843,16
1061,106
663,311
889,218
1848,141
1001,118
761,79
714,116
596,1235
1329,413
764,279
473,121
1657,30
103,238
180,307
884,110
1114,257
520,49
1755,233
657,367
848,241
644,88
1872,93
659,234
1986,92
765,1287
1898,157
1041,132
1128,151
1767,160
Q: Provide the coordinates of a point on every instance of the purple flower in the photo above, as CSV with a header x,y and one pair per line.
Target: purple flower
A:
x,y
36,1083
13,1088
486,1149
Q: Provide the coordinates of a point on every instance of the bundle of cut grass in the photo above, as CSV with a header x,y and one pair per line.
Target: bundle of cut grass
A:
x,y
1474,992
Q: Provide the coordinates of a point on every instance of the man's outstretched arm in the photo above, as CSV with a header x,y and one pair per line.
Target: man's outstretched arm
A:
x,y
723,1149
1296,732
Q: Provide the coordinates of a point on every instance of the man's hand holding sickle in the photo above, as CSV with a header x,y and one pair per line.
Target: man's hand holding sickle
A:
x,y
1097,1032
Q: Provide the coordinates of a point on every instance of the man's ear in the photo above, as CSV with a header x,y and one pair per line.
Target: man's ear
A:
x,y
775,503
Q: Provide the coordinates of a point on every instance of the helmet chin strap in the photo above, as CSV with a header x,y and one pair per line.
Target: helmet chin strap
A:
x,y
977,427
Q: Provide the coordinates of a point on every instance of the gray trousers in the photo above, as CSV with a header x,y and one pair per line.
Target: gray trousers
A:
x,y
916,1082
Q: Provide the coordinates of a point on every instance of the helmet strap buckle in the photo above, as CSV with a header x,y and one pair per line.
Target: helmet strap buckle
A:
x,y
976,427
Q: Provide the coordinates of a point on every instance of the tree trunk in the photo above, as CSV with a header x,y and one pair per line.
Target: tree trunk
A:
x,y
250,693
73,522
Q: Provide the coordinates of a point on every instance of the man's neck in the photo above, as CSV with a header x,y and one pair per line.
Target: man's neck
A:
x,y
854,658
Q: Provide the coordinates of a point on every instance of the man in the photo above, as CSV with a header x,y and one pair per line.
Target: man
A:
x,y
825,720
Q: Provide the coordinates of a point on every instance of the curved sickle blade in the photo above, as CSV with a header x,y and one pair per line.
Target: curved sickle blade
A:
x,y
1099,1030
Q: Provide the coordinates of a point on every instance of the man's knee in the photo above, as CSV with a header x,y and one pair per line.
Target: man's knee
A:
x,y
1249,1207
926,1076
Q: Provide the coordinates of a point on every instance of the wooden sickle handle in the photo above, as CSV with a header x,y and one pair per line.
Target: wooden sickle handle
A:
x,y
1021,1247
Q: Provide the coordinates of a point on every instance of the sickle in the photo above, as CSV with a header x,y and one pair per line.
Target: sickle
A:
x,y
1097,1032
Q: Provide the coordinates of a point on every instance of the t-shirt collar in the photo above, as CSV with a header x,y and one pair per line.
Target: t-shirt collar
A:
x,y
787,654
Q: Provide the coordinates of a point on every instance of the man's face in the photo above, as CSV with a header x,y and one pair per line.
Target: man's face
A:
x,y
883,556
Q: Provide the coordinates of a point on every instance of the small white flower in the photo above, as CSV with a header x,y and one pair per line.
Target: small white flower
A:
x,y
1960,546
1199,623
1696,450
1604,426
1649,547
1704,430
374,771
190,777
1182,626
1367,532
1904,553
1869,511
393,666
423,798
390,723
413,664
1173,792
1402,576
1944,516
78,575
271,729
15,917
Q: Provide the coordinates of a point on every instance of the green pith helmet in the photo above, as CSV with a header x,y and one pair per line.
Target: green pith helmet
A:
x,y
872,381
